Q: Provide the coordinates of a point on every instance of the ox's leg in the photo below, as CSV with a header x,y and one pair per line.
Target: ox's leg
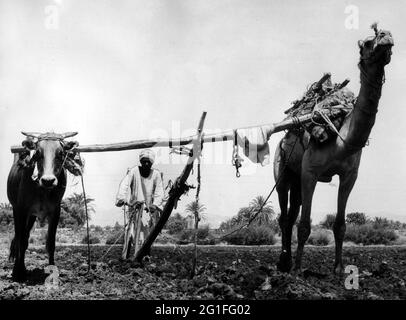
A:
x,y
346,184
13,246
17,249
308,184
52,226
30,223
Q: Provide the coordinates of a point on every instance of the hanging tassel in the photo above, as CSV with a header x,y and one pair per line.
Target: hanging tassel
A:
x,y
374,26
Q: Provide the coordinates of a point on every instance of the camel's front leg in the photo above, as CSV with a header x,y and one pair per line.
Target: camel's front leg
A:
x,y
308,183
286,222
347,181
285,260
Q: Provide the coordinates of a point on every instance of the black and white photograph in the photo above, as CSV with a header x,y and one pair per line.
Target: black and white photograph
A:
x,y
222,151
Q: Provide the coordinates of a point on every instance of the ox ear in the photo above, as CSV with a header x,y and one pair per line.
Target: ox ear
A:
x,y
68,134
28,144
68,145
31,134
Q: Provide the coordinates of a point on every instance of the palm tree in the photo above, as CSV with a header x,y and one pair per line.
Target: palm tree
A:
x,y
73,209
196,210
266,212
6,206
6,214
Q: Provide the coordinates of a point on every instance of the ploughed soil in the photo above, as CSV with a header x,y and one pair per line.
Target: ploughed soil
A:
x,y
223,272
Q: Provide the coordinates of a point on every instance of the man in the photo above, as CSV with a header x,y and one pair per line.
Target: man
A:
x,y
142,190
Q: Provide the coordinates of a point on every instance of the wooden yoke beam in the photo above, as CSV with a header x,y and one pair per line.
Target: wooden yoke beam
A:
x,y
215,137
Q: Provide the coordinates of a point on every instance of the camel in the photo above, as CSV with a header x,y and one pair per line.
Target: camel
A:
x,y
311,162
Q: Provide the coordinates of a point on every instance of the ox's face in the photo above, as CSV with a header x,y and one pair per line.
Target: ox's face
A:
x,y
49,155
50,152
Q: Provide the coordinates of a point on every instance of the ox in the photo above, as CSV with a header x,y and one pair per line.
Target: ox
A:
x,y
35,188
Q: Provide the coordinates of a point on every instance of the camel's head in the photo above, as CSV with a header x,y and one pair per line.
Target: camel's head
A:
x,y
376,50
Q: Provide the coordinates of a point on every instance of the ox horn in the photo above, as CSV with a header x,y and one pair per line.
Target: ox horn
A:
x,y
68,134
31,134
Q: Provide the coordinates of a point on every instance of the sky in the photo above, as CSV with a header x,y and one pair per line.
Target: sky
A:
x,y
118,71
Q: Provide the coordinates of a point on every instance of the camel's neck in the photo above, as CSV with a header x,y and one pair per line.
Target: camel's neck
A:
x,y
365,109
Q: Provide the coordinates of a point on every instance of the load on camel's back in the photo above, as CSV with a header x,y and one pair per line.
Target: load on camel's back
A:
x,y
35,187
328,104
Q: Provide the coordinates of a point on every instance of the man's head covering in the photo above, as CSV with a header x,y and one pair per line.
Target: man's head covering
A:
x,y
149,154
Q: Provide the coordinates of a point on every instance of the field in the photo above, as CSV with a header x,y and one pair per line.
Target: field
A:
x,y
223,272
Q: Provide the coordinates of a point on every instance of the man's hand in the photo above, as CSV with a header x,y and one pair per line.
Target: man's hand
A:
x,y
152,208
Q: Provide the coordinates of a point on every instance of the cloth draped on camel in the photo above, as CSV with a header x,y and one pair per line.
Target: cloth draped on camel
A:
x,y
254,143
